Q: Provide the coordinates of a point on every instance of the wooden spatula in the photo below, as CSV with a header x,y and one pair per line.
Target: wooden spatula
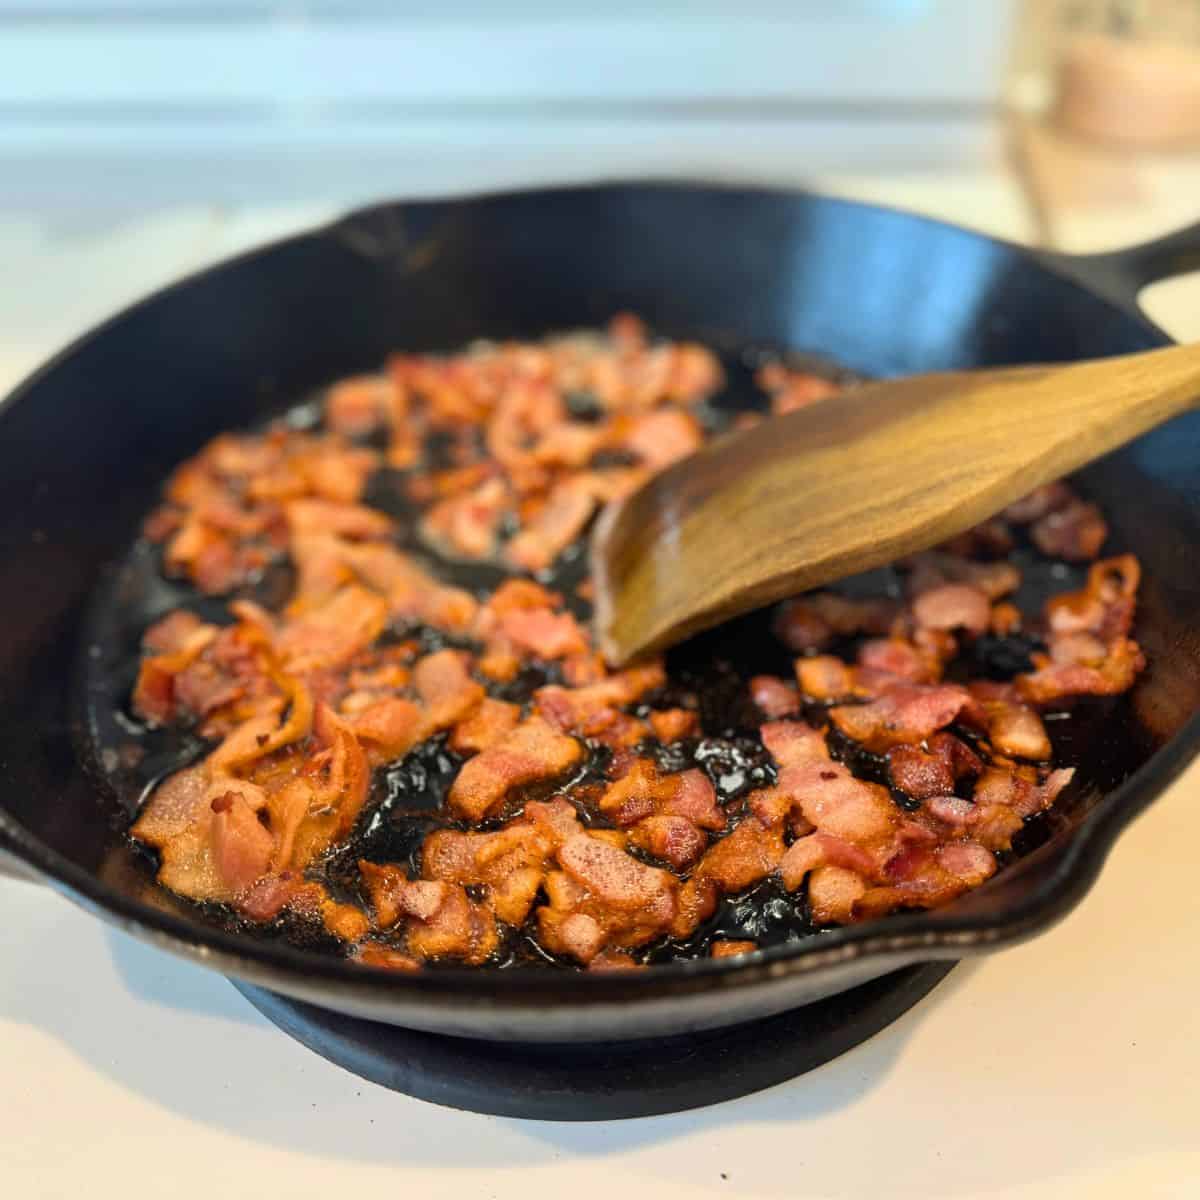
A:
x,y
857,481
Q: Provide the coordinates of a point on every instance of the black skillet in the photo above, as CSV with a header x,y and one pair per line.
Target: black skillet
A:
x,y
86,442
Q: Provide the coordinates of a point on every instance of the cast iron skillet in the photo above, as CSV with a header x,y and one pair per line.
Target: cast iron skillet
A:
x,y
86,442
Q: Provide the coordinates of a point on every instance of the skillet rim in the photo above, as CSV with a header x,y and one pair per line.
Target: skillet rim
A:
x,y
908,937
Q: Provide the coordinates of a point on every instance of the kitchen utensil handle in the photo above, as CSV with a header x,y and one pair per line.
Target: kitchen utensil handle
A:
x,y
1121,274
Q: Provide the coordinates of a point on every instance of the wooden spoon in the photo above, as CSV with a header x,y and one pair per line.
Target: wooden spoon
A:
x,y
857,481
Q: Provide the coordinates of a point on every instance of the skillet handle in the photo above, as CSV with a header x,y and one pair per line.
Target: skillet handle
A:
x,y
1120,275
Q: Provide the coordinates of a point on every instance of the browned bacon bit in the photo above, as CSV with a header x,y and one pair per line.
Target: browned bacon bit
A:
x,y
490,723
373,954
1075,532
1023,789
903,713
921,773
358,405
731,948
1012,726
812,621
1109,676
673,839
576,816
790,390
673,724
533,751
603,897
953,606
468,525
825,677
642,791
895,656
936,568
775,697
1104,606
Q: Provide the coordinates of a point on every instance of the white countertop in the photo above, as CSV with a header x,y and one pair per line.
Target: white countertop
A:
x,y
1069,1067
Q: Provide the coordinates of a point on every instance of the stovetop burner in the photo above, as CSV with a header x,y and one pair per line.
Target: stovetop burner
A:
x,y
604,1081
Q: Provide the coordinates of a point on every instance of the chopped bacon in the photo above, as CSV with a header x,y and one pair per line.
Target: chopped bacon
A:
x,y
444,683
545,634
1075,532
904,713
642,791
673,839
515,446
591,709
731,948
533,751
741,858
603,897
311,516
825,677
953,606
1113,674
932,772
663,437
490,723
1012,727
672,724
468,525
1019,788
562,518
895,656
935,568
333,633
792,743
774,696
1104,606
389,728
812,621
358,405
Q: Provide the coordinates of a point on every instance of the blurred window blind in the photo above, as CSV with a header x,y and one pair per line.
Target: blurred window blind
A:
x,y
88,59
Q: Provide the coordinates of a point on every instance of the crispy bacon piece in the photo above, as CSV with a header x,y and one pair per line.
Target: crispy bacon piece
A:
x,y
333,633
731,948
562,518
812,621
825,677
774,697
791,389
936,568
1104,606
675,840
893,656
1076,532
468,525
359,405
672,724
1111,675
791,743
533,751
588,711
389,728
904,713
1012,727
662,438
545,634
642,791
490,723
953,606
933,771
